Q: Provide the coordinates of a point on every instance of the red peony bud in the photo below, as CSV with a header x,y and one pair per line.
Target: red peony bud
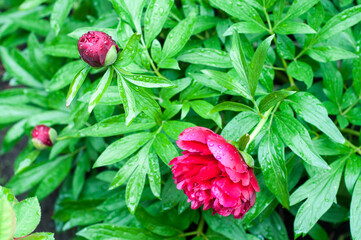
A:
x,y
98,49
212,173
43,137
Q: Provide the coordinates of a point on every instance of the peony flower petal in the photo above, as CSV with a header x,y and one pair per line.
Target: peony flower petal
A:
x,y
193,146
233,175
194,139
226,153
208,172
253,180
198,134
224,199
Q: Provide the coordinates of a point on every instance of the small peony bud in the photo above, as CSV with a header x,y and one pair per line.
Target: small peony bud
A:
x,y
43,137
98,49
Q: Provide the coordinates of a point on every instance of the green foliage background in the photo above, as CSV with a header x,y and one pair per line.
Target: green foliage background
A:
x,y
281,79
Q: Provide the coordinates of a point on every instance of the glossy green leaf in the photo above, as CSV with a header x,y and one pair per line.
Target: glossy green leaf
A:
x,y
271,157
77,33
157,224
155,17
241,10
153,172
311,110
354,116
340,22
352,171
18,71
148,81
29,4
54,178
318,233
178,37
48,118
40,236
60,11
134,189
109,231
65,75
13,113
272,99
239,60
14,134
174,128
22,162
101,88
122,148
206,56
179,85
355,210
231,106
164,148
287,28
285,47
127,55
298,8
62,50
32,175
9,195
296,137
156,51
122,10
271,228
146,102
34,24
125,172
329,54
257,62
227,226
240,125
28,215
229,82
169,63
115,125
332,82
326,147
110,97
301,71
76,84
203,108
128,100
82,166
204,23
320,192
244,27
7,220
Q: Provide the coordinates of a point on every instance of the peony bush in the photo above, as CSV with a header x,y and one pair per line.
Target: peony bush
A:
x,y
192,119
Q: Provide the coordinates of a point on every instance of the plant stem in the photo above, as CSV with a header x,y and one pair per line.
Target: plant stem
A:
x,y
292,82
270,30
201,225
290,79
348,109
350,131
356,149
259,126
151,60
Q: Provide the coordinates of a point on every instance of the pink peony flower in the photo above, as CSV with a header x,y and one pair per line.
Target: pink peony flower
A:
x,y
212,173
43,137
98,49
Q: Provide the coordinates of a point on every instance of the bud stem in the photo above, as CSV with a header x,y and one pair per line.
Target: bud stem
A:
x,y
259,126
